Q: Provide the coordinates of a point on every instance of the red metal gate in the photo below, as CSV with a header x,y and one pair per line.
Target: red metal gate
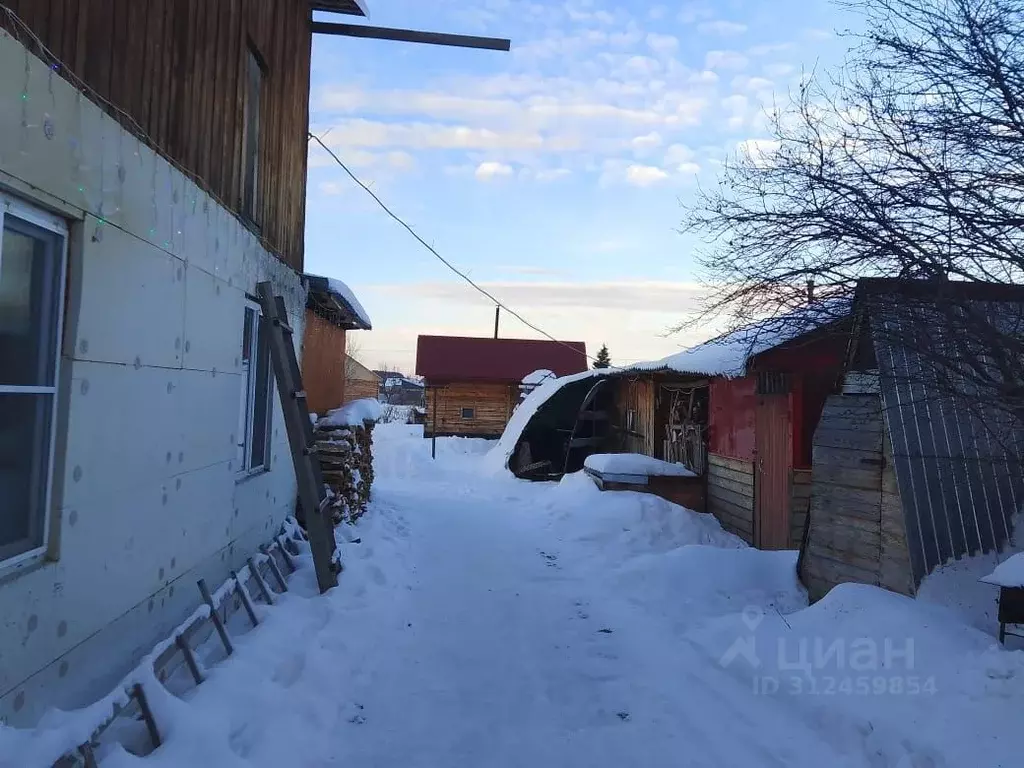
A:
x,y
773,462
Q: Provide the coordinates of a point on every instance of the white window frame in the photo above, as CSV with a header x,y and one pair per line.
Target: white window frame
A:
x,y
247,411
16,208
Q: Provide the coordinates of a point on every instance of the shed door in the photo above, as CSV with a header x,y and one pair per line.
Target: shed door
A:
x,y
773,461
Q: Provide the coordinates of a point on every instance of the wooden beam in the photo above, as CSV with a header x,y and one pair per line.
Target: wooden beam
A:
x,y
411,36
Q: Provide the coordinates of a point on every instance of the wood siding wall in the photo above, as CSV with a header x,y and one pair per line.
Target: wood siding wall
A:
x,y
856,530
323,364
799,505
178,68
730,495
360,389
636,397
492,406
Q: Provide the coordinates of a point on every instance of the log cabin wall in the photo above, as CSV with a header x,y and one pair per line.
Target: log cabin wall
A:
x,y
489,403
361,389
179,67
323,364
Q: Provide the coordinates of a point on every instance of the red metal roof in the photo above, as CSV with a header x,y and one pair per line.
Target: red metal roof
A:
x,y
463,358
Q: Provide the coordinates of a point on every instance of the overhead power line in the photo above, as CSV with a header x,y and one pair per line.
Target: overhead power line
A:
x,y
437,255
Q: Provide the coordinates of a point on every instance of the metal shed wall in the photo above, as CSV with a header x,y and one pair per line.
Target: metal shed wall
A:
x,y
954,450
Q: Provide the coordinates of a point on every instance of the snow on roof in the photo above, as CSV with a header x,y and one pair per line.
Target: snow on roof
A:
x,y
352,415
538,377
344,295
1009,573
634,464
728,354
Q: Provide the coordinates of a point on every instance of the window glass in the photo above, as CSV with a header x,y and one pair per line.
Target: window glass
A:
x,y
24,461
29,291
261,399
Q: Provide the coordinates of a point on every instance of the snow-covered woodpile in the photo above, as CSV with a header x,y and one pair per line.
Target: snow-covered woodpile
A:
x,y
344,442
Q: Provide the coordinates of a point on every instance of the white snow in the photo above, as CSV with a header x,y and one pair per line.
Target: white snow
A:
x,y
634,464
1009,573
538,377
349,296
487,621
353,414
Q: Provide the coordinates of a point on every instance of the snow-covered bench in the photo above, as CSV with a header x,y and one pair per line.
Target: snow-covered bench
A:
x,y
636,472
1009,577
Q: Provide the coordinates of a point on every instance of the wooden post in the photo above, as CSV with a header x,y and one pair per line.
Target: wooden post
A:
x,y
215,617
497,314
190,659
278,576
264,591
147,714
243,595
433,431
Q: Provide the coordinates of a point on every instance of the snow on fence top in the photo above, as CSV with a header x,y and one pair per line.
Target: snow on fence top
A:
x,y
352,415
1009,573
634,464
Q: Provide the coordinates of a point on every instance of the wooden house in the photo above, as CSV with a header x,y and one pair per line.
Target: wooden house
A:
x,y
331,311
739,410
360,382
917,461
472,384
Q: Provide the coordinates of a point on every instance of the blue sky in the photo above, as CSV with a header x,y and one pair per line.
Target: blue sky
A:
x,y
553,174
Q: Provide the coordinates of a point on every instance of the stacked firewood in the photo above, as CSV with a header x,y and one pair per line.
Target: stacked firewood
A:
x,y
346,460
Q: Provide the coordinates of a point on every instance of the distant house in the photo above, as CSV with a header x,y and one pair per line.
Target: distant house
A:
x,y
360,381
331,311
472,384
917,462
398,389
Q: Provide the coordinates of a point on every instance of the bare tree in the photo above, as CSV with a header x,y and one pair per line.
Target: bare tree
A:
x,y
907,163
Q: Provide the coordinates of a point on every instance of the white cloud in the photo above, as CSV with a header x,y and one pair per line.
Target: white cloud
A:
x,y
678,153
552,174
765,49
722,27
688,169
817,34
331,188
725,60
750,84
736,107
662,44
779,69
694,10
646,142
490,169
759,151
644,175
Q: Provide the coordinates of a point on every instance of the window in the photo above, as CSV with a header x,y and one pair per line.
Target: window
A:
x,y
32,252
468,413
254,74
255,410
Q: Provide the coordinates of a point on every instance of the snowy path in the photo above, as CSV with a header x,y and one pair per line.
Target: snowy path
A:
x,y
509,658
483,621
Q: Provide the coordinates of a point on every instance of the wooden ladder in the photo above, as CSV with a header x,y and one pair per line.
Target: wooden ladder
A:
x,y
312,494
